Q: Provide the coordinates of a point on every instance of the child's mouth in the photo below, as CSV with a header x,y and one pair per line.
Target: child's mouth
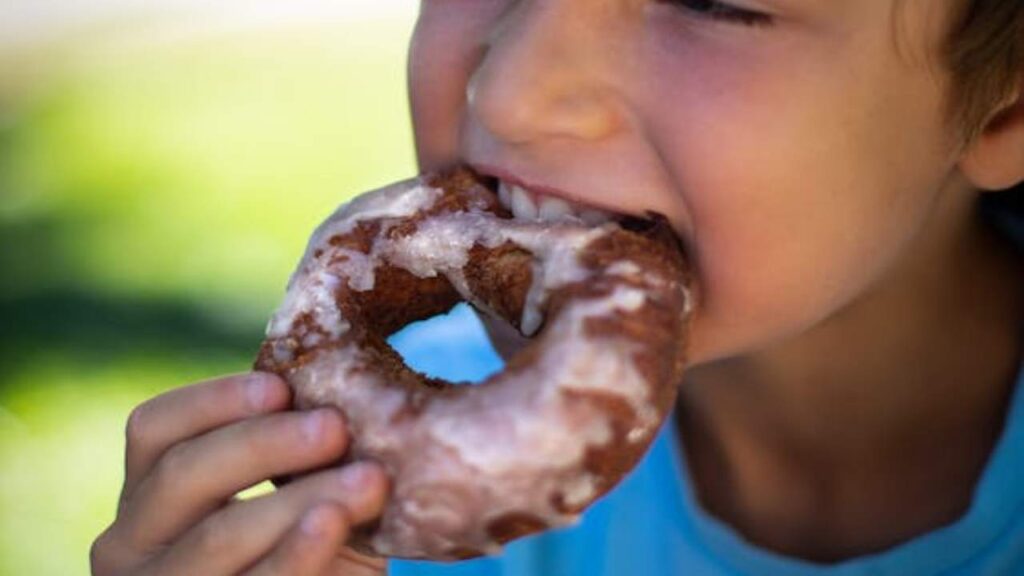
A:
x,y
530,205
538,203
534,206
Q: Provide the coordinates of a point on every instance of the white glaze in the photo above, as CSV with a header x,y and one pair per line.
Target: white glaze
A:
x,y
311,287
519,435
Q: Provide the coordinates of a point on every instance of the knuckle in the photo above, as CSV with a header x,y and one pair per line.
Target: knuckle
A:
x,y
136,427
98,556
103,557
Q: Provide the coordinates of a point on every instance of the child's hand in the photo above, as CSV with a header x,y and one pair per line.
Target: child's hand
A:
x,y
190,450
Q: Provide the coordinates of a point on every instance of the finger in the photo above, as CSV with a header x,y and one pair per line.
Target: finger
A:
x,y
348,562
198,476
310,547
245,531
109,554
157,424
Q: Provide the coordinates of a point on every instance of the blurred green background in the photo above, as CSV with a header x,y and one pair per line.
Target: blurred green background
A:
x,y
159,175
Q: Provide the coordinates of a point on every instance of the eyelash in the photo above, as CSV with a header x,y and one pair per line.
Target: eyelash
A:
x,y
715,10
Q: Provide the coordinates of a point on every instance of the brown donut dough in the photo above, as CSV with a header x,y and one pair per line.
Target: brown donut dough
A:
x,y
473,467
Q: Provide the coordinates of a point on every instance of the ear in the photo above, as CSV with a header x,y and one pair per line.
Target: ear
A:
x,y
995,159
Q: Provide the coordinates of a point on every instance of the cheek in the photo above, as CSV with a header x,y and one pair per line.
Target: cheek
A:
x,y
800,198
447,44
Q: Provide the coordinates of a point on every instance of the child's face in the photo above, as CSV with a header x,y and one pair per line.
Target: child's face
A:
x,y
797,160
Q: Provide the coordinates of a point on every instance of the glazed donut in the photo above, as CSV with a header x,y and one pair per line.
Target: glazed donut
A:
x,y
607,308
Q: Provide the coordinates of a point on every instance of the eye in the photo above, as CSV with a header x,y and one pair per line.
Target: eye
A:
x,y
714,10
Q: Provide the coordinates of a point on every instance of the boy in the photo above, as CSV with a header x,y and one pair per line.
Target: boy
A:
x,y
850,406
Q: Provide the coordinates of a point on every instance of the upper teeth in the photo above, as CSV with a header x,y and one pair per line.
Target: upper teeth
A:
x,y
526,205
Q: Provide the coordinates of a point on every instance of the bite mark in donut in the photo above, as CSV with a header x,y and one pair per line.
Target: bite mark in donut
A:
x,y
473,467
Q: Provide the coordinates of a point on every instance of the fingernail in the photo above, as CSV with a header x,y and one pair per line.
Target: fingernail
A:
x,y
355,476
257,390
313,425
315,521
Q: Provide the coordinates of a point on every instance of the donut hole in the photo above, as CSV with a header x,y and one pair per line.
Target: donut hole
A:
x,y
428,325
451,346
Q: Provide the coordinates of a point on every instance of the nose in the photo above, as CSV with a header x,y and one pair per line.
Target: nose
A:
x,y
547,72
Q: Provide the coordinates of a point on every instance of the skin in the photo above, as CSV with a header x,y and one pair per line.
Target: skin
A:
x,y
189,451
857,331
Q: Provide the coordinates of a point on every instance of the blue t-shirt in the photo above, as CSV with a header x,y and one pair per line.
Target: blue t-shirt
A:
x,y
651,524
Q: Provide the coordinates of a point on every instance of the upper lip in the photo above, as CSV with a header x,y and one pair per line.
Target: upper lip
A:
x,y
537,189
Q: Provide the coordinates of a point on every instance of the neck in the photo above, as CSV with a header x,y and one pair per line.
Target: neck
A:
x,y
828,445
